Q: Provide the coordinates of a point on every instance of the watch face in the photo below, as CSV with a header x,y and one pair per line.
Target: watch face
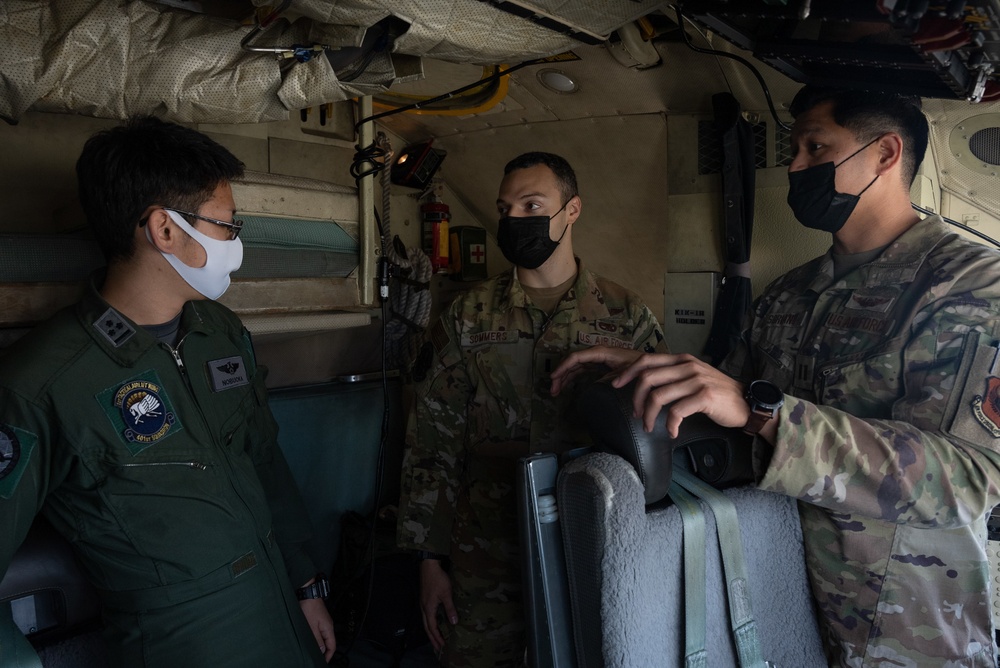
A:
x,y
766,393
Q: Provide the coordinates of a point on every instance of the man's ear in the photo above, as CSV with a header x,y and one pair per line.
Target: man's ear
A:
x,y
890,152
573,208
162,231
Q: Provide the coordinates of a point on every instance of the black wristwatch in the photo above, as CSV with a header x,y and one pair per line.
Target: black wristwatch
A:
x,y
423,555
765,400
318,589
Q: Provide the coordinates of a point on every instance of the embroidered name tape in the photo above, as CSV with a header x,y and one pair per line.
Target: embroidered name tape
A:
x,y
496,336
601,340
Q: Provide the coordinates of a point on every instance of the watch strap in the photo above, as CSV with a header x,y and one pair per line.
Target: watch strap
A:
x,y
756,421
318,589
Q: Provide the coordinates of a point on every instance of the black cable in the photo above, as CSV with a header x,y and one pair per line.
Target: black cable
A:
x,y
379,481
444,96
739,59
958,224
374,155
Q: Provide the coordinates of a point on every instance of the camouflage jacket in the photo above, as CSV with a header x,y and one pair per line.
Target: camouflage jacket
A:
x,y
485,402
890,439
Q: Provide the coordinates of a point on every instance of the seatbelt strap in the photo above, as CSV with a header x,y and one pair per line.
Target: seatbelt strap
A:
x,y
693,519
741,619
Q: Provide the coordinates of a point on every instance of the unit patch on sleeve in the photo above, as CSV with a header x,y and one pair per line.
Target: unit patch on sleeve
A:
x,y
227,373
987,408
16,447
140,411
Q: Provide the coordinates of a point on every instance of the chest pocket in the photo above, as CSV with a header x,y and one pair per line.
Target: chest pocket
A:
x,y
771,363
250,428
502,390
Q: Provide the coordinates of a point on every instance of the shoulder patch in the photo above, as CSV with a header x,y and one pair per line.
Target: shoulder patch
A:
x,y
16,448
140,411
986,407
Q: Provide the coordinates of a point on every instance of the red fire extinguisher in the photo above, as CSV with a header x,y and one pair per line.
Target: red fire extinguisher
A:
x,y
435,215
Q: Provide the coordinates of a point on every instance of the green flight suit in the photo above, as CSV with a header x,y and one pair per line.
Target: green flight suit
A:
x,y
483,404
890,439
162,470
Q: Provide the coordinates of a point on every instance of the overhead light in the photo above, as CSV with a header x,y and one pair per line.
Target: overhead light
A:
x,y
416,165
557,81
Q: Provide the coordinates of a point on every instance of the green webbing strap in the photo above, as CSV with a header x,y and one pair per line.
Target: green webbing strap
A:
x,y
693,519
738,592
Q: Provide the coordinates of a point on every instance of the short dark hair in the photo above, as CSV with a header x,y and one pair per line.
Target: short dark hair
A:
x,y
871,114
564,173
145,161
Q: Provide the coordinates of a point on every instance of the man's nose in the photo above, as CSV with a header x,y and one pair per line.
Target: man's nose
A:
x,y
799,162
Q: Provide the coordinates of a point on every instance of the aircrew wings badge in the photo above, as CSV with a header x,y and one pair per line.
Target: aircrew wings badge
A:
x,y
986,407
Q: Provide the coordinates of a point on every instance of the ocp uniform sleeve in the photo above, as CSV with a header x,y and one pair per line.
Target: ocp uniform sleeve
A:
x,y
435,452
648,333
934,462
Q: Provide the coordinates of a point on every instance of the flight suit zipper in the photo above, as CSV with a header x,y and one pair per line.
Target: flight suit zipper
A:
x,y
193,465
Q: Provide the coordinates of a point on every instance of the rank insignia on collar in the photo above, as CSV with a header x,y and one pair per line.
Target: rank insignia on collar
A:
x,y
16,446
140,411
987,408
227,373
114,327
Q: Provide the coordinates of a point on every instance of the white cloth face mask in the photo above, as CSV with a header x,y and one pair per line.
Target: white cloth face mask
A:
x,y
223,257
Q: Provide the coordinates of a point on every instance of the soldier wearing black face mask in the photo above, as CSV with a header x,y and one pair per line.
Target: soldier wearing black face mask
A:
x,y
525,240
485,402
814,199
885,349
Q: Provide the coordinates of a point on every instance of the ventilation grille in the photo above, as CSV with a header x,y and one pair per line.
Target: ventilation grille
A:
x,y
710,156
985,145
782,147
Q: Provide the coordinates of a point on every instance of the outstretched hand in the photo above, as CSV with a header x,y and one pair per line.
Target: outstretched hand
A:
x,y
614,359
683,382
688,386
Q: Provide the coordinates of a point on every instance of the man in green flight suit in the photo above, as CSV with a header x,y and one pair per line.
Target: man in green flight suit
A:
x,y
484,402
137,423
870,378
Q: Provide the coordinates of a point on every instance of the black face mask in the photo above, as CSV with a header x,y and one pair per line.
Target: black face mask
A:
x,y
525,241
814,199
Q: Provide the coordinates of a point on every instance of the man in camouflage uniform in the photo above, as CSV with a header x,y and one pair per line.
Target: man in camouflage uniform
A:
x,y
484,402
887,351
